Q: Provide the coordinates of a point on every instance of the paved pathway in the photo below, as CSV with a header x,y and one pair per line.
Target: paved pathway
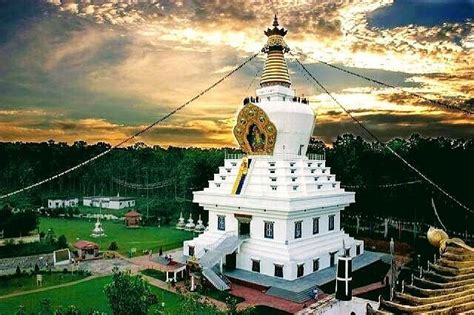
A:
x,y
163,285
49,288
257,297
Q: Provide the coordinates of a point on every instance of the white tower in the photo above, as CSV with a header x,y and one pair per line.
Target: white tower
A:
x,y
274,211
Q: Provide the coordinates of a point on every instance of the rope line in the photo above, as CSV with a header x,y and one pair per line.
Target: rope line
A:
x,y
140,132
371,134
436,213
383,185
432,101
150,186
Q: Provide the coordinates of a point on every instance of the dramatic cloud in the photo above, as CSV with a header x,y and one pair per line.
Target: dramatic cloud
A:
x,y
89,72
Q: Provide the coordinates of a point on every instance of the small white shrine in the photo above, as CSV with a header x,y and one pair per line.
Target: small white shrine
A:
x,y
274,211
199,228
98,231
190,225
180,225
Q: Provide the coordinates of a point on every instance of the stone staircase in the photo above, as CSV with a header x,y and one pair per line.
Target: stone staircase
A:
x,y
225,245
218,282
298,297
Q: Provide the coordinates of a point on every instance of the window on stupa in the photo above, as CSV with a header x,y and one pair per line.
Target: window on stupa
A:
x,y
332,259
358,250
274,187
293,179
255,265
233,164
191,251
279,271
272,164
268,227
221,222
331,223
293,171
316,264
347,252
218,184
298,229
292,164
273,179
315,226
300,151
272,171
300,270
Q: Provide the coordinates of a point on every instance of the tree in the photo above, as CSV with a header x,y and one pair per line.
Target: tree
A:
x,y
113,246
128,294
62,241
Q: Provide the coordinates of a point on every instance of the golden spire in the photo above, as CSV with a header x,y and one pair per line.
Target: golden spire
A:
x,y
275,71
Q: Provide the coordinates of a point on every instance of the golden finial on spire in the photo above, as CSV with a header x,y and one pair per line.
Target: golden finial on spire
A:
x,y
275,71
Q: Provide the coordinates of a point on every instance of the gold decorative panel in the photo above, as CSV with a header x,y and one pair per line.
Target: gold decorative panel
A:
x,y
254,131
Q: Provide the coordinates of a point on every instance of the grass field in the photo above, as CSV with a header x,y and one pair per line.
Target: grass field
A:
x,y
142,238
25,282
86,296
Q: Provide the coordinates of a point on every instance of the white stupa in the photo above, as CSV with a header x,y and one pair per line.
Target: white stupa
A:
x,y
190,225
199,226
98,231
180,225
275,210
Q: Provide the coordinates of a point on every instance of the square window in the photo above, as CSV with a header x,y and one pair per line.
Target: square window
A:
x,y
223,177
293,179
218,185
316,264
331,223
316,179
279,271
221,222
319,164
272,171
233,164
255,265
292,164
293,171
191,251
312,171
300,270
268,226
298,229
274,187
309,164
315,226
272,164
320,186
273,179
295,188
333,185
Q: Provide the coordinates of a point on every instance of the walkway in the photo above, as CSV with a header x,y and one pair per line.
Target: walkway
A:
x,y
257,297
165,286
7,296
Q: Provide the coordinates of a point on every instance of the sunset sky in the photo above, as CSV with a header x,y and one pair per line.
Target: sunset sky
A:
x,y
99,73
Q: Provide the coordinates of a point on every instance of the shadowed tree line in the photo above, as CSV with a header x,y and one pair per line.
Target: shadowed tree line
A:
x,y
355,162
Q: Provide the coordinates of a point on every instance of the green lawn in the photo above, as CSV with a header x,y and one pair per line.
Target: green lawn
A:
x,y
25,282
143,238
87,296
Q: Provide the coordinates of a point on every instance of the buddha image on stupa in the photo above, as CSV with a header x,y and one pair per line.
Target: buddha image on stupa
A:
x,y
256,139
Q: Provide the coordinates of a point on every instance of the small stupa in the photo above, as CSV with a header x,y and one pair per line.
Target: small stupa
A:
x,y
180,225
199,226
98,231
190,225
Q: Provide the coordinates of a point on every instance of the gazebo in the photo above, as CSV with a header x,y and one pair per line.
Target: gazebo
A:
x,y
172,268
86,250
132,219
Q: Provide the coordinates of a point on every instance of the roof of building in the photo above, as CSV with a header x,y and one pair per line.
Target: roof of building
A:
x,y
63,198
132,214
446,287
85,245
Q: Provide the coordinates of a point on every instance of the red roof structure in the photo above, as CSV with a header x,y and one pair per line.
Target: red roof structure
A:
x,y
85,245
132,214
